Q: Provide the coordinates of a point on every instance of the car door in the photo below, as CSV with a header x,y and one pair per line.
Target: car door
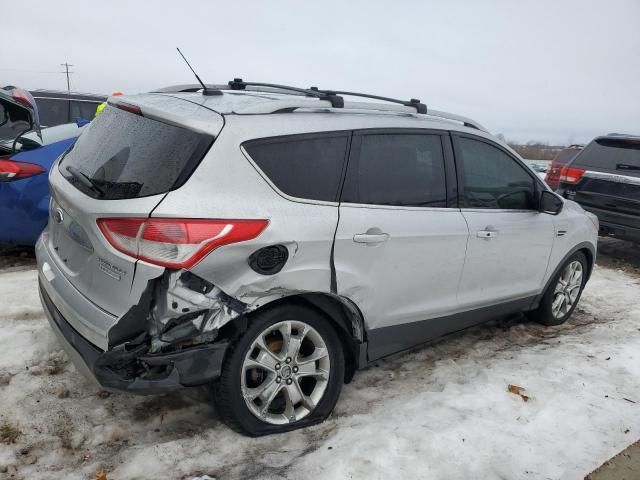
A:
x,y
510,241
400,243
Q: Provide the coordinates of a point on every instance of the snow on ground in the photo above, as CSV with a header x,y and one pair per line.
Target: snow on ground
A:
x,y
440,412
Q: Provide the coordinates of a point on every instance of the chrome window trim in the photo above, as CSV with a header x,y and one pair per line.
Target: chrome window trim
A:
x,y
612,177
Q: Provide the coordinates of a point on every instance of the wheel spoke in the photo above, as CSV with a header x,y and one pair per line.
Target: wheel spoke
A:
x,y
265,348
285,330
557,304
296,342
264,360
260,390
307,402
270,394
317,354
289,402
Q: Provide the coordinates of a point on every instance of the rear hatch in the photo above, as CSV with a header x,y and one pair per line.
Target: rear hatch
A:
x,y
605,178
124,163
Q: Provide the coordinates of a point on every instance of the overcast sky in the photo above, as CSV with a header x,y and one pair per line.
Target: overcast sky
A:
x,y
552,70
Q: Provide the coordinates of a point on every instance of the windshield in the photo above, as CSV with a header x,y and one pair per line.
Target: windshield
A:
x,y
126,155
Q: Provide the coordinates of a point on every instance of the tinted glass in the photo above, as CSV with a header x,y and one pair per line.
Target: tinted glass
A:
x,y
129,156
85,110
566,155
304,168
53,112
493,179
398,169
622,155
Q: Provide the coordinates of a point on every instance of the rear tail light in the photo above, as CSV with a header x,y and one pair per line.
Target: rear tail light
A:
x,y
571,175
176,243
11,170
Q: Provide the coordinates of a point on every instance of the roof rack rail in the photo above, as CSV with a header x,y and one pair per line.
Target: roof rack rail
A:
x,y
414,102
335,100
467,122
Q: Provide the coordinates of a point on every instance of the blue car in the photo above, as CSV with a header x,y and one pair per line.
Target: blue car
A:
x,y
24,187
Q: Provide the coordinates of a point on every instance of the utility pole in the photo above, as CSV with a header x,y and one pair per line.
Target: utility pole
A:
x,y
67,72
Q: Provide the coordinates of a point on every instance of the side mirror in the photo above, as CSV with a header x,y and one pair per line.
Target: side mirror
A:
x,y
550,203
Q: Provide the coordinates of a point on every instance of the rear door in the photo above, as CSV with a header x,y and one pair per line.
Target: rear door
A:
x,y
133,160
609,181
509,240
400,242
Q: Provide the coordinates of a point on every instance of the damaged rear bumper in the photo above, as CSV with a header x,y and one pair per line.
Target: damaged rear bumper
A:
x,y
130,367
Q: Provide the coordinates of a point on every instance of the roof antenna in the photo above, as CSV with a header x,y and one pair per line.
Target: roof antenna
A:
x,y
205,90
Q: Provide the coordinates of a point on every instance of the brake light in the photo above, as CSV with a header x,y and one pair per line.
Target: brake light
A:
x,y
571,175
127,107
176,243
11,170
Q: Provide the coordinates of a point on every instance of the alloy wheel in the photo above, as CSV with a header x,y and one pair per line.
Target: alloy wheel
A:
x,y
285,372
567,289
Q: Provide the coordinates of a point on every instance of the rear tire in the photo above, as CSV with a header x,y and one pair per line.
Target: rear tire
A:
x,y
285,372
563,293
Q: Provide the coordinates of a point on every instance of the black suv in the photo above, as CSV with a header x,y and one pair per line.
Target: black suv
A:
x,y
57,108
605,179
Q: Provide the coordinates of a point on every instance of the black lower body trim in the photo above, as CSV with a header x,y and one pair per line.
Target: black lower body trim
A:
x,y
389,340
129,369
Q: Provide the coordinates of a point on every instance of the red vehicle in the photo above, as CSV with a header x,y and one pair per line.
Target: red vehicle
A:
x,y
564,156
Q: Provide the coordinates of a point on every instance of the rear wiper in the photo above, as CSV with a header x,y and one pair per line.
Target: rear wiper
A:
x,y
624,166
85,180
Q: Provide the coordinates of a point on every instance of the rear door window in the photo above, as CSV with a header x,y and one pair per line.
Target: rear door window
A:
x,y
612,154
492,179
307,167
128,156
397,169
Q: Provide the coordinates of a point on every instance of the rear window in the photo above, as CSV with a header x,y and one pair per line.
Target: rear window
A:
x,y
566,155
127,156
307,167
621,155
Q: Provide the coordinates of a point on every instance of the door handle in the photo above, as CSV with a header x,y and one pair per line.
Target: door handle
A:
x,y
370,237
487,234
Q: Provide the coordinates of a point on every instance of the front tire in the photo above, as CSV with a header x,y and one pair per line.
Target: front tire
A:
x,y
285,372
563,293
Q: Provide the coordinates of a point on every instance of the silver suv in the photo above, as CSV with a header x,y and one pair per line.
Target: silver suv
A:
x,y
270,241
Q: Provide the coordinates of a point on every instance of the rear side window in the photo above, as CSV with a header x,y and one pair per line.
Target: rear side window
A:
x,y
622,155
303,167
493,179
397,169
128,156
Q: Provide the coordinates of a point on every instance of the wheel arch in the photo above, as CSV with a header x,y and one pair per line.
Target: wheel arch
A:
x,y
342,313
587,248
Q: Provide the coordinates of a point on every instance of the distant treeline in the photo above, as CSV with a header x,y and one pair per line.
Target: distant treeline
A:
x,y
537,151
533,150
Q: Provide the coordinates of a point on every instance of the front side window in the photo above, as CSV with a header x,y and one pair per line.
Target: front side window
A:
x,y
398,169
308,168
493,179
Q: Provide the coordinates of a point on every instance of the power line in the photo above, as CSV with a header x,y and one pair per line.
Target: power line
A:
x,y
26,71
67,72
